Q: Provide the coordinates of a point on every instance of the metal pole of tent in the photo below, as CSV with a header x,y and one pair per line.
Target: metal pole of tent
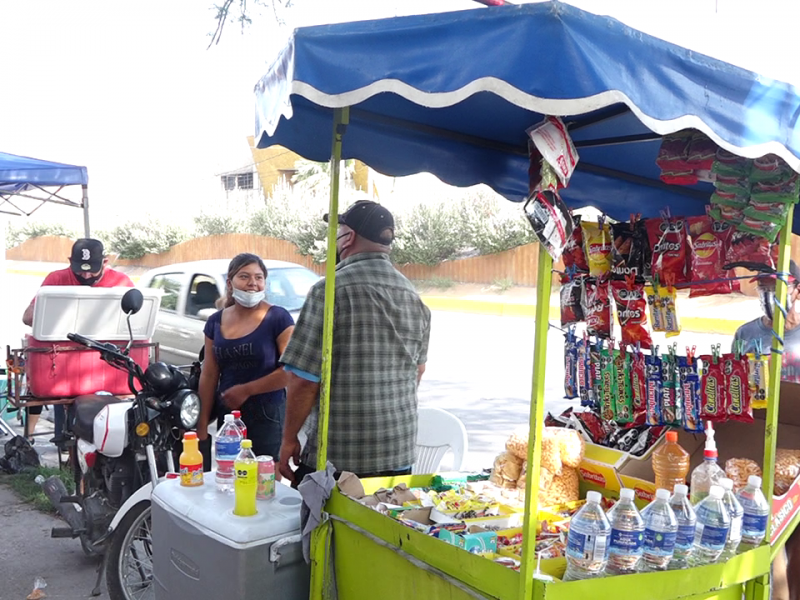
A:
x,y
319,537
85,204
544,280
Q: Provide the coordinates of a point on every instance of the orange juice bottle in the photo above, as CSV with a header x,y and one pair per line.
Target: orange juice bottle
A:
x,y
191,461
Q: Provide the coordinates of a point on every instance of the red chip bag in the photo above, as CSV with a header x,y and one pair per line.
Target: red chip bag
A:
x,y
597,308
571,296
713,393
669,243
573,255
737,388
631,312
708,241
746,247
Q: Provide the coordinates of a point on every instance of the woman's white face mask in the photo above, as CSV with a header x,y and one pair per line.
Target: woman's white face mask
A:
x,y
248,299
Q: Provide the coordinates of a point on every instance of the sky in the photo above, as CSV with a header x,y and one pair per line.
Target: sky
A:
x,y
130,90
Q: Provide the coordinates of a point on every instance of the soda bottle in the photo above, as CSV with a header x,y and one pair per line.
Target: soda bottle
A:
x,y
756,512
227,446
708,473
191,461
670,463
687,520
711,531
237,418
246,486
587,541
660,533
736,513
627,535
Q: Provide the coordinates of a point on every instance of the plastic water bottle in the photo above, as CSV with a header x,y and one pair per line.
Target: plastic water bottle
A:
x,y
660,533
736,513
687,520
227,447
670,463
756,512
237,418
711,531
627,535
587,541
708,473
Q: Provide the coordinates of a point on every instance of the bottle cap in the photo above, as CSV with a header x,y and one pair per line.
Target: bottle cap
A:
x,y
190,435
726,484
228,418
716,492
236,414
754,480
593,497
662,494
247,443
681,489
672,436
172,475
626,494
710,450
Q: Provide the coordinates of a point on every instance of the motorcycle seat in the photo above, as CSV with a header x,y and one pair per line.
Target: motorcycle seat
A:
x,y
85,409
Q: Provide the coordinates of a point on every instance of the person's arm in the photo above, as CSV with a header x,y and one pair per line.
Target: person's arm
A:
x,y
422,359
237,395
420,372
209,378
301,397
27,316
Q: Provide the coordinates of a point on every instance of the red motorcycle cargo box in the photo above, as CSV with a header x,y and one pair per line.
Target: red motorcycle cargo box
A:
x,y
67,369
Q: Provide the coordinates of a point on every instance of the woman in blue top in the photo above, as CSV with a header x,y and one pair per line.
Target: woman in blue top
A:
x,y
243,344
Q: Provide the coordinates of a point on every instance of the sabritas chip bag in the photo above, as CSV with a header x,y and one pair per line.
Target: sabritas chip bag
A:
x,y
709,240
597,243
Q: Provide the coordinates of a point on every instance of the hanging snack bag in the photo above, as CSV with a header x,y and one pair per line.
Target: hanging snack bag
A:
x,y
712,388
631,305
626,253
597,245
597,308
669,243
550,219
595,357
654,302
728,164
584,373
623,402
574,256
689,380
654,384
608,384
670,409
758,368
708,240
737,387
638,378
667,299
571,301
751,248
770,168
570,364
761,227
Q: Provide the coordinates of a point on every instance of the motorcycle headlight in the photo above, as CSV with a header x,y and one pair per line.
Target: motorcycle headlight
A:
x,y
190,410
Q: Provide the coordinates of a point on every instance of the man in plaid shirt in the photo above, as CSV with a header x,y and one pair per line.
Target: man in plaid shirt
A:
x,y
380,344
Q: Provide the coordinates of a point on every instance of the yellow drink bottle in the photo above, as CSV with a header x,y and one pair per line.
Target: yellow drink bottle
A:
x,y
191,461
245,485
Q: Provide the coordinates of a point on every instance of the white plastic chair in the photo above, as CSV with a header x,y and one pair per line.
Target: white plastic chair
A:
x,y
437,432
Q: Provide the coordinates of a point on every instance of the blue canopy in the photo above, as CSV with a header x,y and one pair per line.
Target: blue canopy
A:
x,y
453,93
20,173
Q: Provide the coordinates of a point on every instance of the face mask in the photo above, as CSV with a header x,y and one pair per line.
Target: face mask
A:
x,y
89,280
247,299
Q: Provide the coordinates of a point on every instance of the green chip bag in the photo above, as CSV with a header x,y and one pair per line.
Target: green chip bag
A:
x,y
608,385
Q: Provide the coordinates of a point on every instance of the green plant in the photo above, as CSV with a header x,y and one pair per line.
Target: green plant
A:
x,y
217,224
439,283
16,234
503,284
28,490
428,234
137,239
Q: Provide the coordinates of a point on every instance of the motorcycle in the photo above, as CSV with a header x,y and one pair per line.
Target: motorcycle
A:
x,y
119,449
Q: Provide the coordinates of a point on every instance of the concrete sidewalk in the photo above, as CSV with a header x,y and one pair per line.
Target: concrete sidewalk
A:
x,y
711,314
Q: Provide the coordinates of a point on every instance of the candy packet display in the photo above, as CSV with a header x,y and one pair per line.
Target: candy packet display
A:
x,y
758,378
638,377
571,301
655,381
597,308
668,241
712,387
584,373
629,298
570,364
608,387
574,256
689,380
738,406
671,406
596,364
654,303
667,299
708,241
623,400
597,245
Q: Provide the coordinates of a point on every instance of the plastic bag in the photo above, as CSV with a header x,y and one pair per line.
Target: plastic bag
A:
x,y
737,388
629,298
668,242
597,245
597,308
573,255
628,252
787,469
713,394
708,240
553,144
551,221
571,301
38,590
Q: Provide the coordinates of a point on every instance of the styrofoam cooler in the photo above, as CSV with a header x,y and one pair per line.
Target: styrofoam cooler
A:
x,y
202,550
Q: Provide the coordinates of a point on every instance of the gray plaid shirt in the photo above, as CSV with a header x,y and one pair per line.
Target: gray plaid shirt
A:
x,y
380,335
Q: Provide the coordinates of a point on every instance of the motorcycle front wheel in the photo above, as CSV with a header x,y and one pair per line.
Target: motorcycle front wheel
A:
x,y
129,570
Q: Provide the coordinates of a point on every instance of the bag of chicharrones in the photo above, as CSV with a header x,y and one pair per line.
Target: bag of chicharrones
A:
x,y
787,469
506,471
564,488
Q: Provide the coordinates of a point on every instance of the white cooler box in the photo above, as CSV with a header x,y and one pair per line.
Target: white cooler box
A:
x,y
202,550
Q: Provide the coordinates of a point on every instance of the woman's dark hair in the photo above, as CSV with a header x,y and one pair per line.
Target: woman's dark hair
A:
x,y
239,262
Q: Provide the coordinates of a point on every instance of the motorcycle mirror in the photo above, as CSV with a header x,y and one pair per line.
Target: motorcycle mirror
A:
x,y
132,302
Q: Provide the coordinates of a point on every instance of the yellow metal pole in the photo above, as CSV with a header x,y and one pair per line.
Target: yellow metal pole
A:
x,y
775,364
536,418
341,117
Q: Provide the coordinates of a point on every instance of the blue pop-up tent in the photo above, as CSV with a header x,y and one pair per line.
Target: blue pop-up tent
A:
x,y
39,181
452,94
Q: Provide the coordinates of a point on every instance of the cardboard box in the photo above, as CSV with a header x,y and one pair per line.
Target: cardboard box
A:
x,y
475,540
600,465
734,440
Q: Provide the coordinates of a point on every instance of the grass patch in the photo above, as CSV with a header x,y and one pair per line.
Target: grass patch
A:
x,y
503,285
438,283
25,486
